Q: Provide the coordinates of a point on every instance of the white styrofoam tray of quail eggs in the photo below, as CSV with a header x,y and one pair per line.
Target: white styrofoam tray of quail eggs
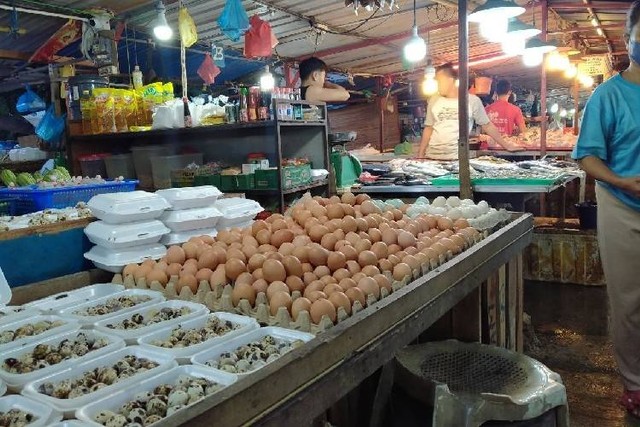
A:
x,y
145,314
120,236
15,381
180,237
280,335
3,388
43,414
114,260
69,423
183,354
54,303
190,197
10,314
115,402
236,210
191,219
120,208
80,313
33,329
104,363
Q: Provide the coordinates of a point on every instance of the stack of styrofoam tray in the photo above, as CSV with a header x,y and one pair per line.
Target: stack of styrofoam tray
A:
x,y
43,414
25,325
279,334
10,314
237,212
179,237
183,354
16,382
190,197
75,311
115,402
192,219
54,303
128,232
69,423
69,406
131,335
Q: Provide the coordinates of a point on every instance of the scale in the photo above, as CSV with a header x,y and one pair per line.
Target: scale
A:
x,y
347,167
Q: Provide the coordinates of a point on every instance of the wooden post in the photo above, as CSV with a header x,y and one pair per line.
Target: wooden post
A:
x,y
466,192
576,104
466,321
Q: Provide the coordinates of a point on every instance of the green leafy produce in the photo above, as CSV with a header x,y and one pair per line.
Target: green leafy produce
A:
x,y
24,179
8,178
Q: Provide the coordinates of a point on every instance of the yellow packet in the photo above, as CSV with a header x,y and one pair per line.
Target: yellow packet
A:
x,y
167,90
105,110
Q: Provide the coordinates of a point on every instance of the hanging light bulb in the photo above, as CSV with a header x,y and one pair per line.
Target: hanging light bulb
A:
x,y
563,113
495,9
571,71
429,86
557,62
494,30
161,28
532,59
517,28
267,82
430,71
534,51
554,108
572,111
586,81
513,45
416,49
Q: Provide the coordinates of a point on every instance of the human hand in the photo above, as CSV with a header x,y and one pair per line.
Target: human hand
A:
x,y
630,185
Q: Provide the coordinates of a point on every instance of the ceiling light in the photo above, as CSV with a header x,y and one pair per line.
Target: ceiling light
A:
x,y
517,28
586,81
594,21
563,113
416,49
535,44
572,111
571,72
430,71
513,45
161,28
557,62
532,58
495,30
493,9
267,82
429,86
554,108
600,32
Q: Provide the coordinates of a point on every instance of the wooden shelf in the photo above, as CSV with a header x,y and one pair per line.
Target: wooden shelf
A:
x,y
293,190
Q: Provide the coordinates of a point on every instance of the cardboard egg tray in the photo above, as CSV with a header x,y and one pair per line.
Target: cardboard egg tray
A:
x,y
218,298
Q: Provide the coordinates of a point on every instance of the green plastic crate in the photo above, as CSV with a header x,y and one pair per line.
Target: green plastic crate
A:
x,y
267,179
207,180
292,176
237,182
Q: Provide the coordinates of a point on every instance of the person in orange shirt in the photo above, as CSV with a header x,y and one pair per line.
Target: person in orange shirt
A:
x,y
505,116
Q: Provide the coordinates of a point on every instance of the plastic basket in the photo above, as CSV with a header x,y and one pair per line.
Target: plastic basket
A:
x,y
7,206
33,199
182,178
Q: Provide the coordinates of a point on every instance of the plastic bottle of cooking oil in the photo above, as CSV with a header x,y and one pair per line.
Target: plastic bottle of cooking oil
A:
x,y
137,77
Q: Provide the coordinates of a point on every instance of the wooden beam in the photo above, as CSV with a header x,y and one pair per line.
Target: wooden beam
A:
x,y
608,5
12,54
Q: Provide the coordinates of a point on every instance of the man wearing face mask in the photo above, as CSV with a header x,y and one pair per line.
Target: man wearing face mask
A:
x,y
440,135
608,149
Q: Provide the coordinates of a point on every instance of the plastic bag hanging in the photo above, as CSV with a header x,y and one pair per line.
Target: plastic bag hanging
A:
x,y
259,40
51,127
188,31
233,21
217,54
30,102
208,71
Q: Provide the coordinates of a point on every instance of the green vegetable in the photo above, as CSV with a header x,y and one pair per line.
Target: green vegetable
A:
x,y
8,178
24,179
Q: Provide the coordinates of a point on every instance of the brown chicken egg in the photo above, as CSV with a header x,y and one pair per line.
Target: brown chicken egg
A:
x,y
320,308
280,299
299,305
243,291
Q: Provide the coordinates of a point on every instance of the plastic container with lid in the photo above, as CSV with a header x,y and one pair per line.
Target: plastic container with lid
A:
x,y
10,314
78,311
116,401
191,219
121,236
119,208
69,406
179,237
114,260
16,382
236,210
142,162
131,335
43,415
59,301
8,340
161,167
183,354
190,197
120,165
279,334
93,165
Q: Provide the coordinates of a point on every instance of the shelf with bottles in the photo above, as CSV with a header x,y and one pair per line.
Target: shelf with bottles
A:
x,y
296,111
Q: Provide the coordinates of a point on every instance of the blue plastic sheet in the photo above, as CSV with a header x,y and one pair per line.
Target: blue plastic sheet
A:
x,y
233,21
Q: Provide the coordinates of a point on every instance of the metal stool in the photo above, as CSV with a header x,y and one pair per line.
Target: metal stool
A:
x,y
470,384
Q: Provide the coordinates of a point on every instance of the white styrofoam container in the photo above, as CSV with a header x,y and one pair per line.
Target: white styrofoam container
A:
x,y
119,208
115,402
190,197
69,423
183,354
57,302
3,388
120,236
5,290
10,314
180,237
280,335
70,312
114,260
236,210
45,415
191,219
245,224
69,406
68,326
15,382
131,335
